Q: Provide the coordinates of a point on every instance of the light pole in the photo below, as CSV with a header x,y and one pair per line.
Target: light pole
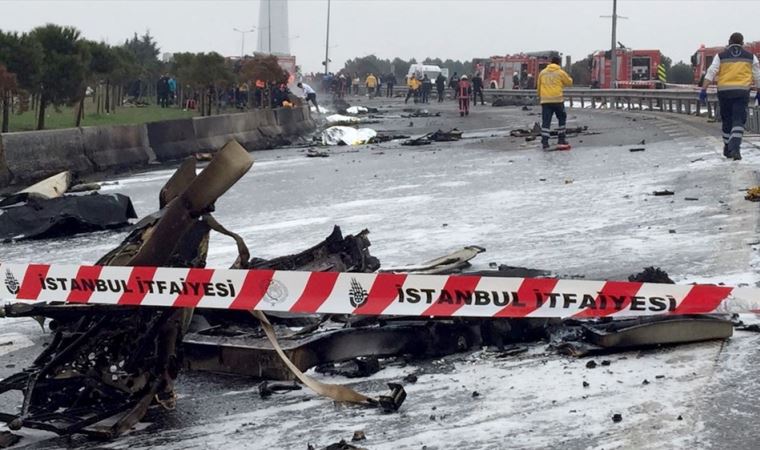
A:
x,y
327,39
269,19
613,46
242,45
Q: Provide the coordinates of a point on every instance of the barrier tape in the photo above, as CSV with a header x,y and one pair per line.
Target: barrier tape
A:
x,y
365,294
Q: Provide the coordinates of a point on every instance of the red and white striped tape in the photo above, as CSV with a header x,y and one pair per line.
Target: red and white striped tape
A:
x,y
365,294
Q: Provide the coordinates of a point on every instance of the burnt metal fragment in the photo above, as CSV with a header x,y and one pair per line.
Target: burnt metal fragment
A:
x,y
393,401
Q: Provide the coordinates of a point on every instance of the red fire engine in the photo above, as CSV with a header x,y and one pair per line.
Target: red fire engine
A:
x,y
498,71
703,57
635,68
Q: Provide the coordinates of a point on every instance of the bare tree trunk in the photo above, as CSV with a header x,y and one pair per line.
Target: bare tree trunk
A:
x,y
218,101
41,116
108,97
6,114
80,112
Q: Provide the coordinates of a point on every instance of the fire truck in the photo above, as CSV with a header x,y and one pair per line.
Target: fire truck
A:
x,y
703,57
498,71
635,68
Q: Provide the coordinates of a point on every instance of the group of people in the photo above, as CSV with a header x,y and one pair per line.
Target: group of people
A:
x,y
344,83
735,70
166,90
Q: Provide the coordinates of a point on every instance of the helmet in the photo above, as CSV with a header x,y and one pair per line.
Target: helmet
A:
x,y
464,77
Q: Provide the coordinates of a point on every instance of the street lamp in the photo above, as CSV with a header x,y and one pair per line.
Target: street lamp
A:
x,y
242,45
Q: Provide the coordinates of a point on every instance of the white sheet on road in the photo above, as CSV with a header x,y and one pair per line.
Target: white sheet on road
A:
x,y
340,135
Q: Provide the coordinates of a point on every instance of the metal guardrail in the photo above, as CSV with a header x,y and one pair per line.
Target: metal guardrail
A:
x,y
682,101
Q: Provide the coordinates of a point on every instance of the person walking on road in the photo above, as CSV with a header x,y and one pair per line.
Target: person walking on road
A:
x,y
414,88
309,94
427,86
477,89
440,86
464,91
371,83
551,84
735,69
454,84
389,83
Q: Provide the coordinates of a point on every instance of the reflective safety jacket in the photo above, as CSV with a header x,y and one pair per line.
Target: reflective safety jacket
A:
x,y
735,68
551,84
371,81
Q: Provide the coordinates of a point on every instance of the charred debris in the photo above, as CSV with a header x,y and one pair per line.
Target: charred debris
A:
x,y
107,365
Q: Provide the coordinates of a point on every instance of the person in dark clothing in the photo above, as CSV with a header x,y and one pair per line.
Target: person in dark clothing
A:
x,y
389,83
280,95
477,89
530,83
454,84
735,70
427,86
440,86
162,90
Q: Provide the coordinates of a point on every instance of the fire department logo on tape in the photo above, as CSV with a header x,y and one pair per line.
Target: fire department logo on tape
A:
x,y
357,295
11,283
276,292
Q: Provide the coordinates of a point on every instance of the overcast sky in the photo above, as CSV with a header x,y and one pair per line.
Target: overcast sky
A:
x,y
460,29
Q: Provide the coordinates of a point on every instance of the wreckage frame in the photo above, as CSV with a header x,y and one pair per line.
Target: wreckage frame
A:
x,y
106,366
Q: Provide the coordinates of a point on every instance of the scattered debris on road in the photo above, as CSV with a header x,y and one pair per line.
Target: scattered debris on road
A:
x,y
663,193
8,439
64,216
753,194
637,149
418,113
314,153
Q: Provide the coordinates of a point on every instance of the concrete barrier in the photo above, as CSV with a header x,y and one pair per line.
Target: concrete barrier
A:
x,y
117,148
34,155
245,130
212,132
172,140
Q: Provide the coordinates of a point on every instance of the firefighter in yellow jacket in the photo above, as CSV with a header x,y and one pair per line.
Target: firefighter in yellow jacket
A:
x,y
551,84
371,83
735,69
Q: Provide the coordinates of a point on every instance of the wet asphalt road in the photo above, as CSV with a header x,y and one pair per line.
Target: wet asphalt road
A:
x,y
588,211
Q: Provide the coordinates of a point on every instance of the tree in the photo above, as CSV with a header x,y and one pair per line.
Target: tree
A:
x,y
101,64
681,73
262,67
400,68
145,51
7,87
63,68
580,71
205,73
368,64
125,71
667,62
22,56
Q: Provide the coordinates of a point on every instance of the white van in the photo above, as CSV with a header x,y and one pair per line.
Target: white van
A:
x,y
420,70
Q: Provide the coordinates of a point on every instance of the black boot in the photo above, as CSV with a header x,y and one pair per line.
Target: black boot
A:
x,y
726,153
545,143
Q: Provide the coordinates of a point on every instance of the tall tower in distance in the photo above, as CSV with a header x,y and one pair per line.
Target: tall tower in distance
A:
x,y
273,27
